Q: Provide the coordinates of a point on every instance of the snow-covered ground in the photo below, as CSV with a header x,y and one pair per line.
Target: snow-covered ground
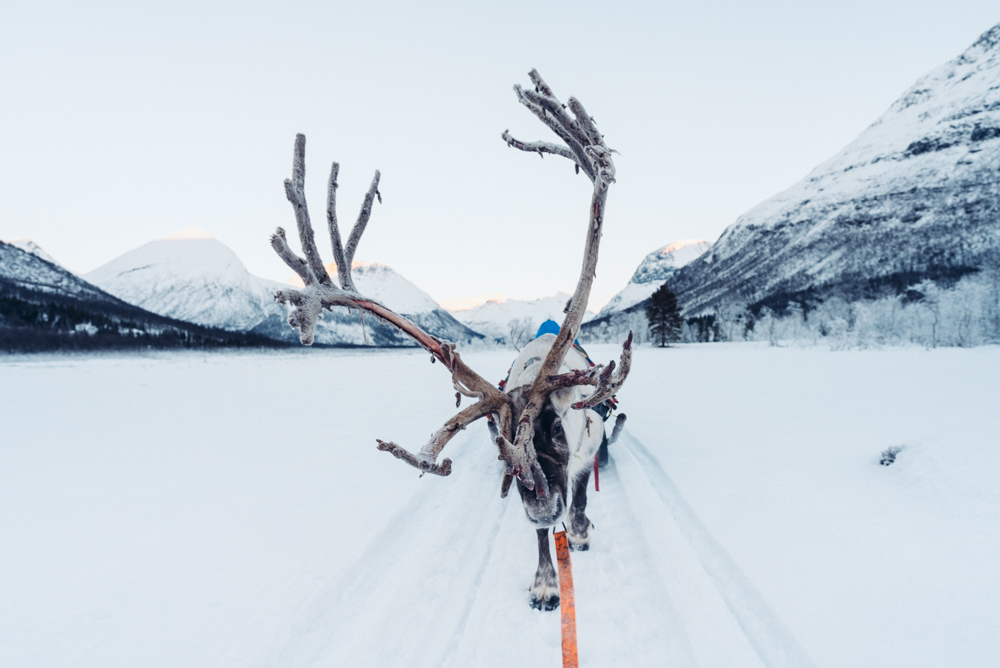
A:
x,y
231,510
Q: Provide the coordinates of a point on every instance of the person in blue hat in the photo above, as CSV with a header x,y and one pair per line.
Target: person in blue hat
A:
x,y
548,327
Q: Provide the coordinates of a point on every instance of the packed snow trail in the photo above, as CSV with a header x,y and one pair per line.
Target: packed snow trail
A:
x,y
443,583
232,510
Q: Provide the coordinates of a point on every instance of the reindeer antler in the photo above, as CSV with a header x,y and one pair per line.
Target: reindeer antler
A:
x,y
320,292
585,146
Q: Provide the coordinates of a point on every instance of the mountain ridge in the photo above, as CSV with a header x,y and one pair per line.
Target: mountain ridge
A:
x,y
914,195
896,229
192,276
45,307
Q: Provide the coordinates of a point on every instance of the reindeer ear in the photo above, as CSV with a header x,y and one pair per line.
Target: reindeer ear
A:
x,y
519,399
563,399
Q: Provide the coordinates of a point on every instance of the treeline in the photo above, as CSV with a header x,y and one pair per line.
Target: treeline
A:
x,y
956,308
37,321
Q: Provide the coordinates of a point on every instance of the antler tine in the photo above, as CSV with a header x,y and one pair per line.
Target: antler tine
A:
x,y
539,82
295,191
540,147
545,98
584,120
279,242
426,459
603,376
343,266
569,135
611,379
363,216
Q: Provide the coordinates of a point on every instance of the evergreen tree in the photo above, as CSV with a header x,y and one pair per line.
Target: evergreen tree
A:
x,y
664,316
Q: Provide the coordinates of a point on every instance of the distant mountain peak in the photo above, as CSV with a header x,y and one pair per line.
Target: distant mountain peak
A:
x,y
29,246
357,265
677,245
988,41
659,264
187,234
454,304
653,271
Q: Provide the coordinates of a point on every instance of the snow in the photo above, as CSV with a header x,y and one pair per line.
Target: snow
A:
x,y
231,509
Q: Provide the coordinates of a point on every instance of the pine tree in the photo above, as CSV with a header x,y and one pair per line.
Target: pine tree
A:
x,y
664,316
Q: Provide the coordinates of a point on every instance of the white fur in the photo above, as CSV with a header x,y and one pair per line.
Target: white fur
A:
x,y
583,428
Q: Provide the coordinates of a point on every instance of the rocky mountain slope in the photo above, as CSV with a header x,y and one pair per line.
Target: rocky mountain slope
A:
x,y
916,196
192,276
31,247
652,272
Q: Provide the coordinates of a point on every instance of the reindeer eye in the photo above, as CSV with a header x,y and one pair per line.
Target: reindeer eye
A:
x,y
557,427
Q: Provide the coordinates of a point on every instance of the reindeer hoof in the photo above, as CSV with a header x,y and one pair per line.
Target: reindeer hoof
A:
x,y
579,541
543,603
544,595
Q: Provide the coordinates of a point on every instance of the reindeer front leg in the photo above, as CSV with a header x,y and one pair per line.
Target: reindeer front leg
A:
x,y
578,528
544,593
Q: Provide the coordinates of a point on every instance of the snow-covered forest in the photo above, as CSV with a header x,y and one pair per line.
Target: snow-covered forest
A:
x,y
961,312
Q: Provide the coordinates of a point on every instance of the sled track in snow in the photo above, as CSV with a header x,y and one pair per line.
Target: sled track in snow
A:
x,y
444,582
773,643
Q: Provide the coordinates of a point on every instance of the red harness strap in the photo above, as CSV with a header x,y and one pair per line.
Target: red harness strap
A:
x,y
597,476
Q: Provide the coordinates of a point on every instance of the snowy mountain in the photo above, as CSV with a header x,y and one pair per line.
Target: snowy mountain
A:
x,y
653,271
190,276
45,307
892,238
30,246
25,269
193,276
499,318
626,310
916,196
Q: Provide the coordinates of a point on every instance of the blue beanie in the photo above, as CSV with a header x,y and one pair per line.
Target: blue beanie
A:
x,y
548,327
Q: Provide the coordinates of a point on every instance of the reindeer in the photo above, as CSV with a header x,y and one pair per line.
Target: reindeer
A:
x,y
544,429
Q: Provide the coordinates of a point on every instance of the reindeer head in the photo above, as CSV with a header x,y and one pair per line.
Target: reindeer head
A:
x,y
533,438
561,432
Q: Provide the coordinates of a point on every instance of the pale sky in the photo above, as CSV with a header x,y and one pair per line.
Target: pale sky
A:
x,y
123,122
